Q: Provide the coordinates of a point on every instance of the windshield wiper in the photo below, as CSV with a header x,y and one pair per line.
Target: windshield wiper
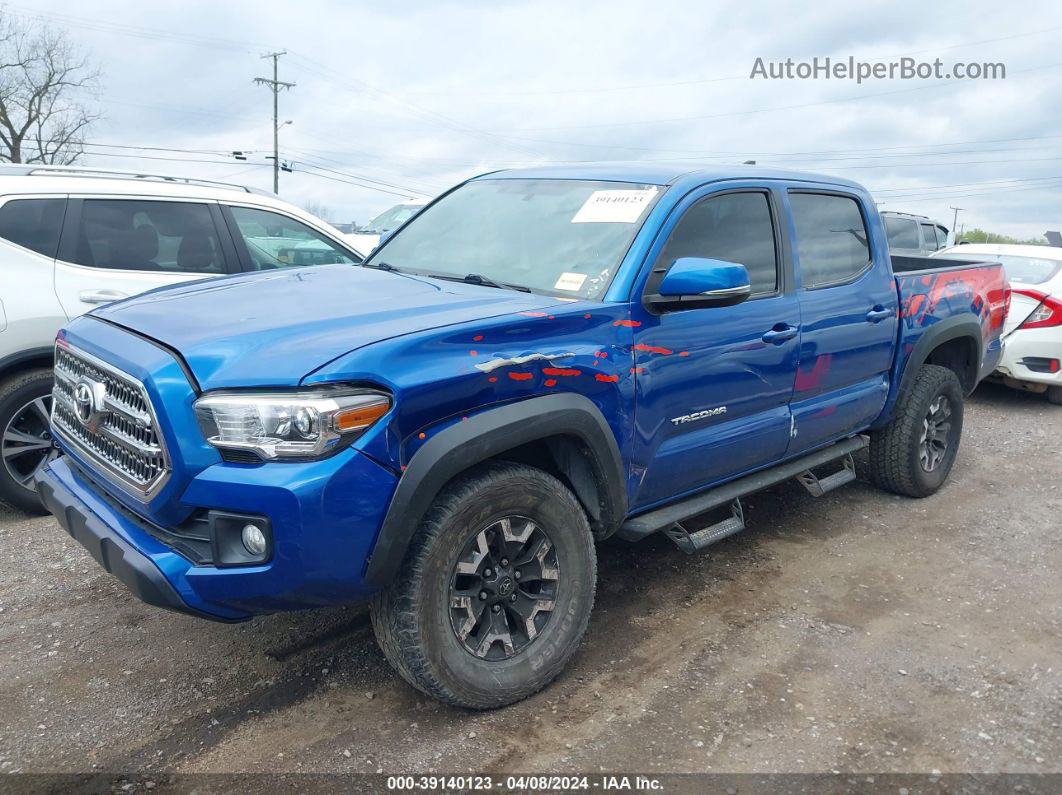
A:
x,y
482,281
381,266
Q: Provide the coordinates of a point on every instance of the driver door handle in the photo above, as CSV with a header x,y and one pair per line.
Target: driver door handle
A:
x,y
101,296
782,332
879,313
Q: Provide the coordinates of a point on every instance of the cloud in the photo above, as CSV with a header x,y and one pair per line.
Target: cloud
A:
x,y
412,97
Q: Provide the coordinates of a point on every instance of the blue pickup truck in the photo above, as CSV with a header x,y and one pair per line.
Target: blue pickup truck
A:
x,y
540,359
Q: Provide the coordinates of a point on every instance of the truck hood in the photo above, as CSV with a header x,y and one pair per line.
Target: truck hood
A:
x,y
273,328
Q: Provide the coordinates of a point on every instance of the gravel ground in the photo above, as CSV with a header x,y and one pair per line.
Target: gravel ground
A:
x,y
858,632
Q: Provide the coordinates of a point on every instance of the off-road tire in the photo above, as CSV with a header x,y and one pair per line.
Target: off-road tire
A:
x,y
411,618
1054,395
15,392
894,450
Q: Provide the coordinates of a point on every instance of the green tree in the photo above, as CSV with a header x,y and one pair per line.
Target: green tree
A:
x,y
976,235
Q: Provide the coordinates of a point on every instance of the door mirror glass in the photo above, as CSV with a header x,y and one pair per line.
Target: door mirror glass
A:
x,y
700,282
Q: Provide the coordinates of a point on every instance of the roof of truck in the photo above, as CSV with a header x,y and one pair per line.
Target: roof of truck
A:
x,y
663,173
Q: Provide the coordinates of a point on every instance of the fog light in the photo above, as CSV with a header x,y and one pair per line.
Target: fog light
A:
x,y
254,539
239,539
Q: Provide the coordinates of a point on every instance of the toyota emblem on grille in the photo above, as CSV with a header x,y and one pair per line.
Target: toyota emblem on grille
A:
x,y
88,403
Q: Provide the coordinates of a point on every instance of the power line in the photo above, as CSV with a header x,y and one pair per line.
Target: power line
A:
x,y
348,182
961,184
975,194
722,155
363,178
229,163
316,162
156,34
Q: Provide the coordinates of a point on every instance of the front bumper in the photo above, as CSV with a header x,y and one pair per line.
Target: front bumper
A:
x,y
111,550
325,518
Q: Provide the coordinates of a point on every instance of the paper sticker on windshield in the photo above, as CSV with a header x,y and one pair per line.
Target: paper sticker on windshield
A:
x,y
614,206
570,281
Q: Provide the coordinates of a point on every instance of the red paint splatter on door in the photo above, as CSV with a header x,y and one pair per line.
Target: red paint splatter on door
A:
x,y
652,349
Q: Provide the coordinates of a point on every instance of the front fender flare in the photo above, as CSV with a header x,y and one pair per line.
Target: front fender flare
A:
x,y
486,435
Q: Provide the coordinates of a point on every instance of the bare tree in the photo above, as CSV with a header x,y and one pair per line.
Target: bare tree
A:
x,y
322,211
42,119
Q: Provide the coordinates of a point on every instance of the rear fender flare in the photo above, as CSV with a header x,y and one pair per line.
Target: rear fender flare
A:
x,y
946,330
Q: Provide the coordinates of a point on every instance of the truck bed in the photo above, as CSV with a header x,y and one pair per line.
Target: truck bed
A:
x,y
938,294
912,264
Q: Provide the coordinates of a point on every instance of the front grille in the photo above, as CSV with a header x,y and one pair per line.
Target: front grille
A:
x,y
107,416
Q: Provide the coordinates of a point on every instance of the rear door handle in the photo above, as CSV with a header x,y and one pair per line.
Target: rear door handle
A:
x,y
101,296
879,313
780,333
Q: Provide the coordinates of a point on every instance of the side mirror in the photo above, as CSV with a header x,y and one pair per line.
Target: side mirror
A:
x,y
698,282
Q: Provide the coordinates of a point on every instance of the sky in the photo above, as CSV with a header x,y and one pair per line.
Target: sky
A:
x,y
397,100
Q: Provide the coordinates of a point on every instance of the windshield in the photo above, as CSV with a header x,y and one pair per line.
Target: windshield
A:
x,y
1028,270
391,219
559,237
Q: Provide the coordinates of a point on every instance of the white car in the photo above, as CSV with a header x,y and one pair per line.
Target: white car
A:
x,y
1032,337
367,238
73,238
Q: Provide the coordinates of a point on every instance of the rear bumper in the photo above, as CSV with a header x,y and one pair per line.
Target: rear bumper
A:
x,y
1023,344
113,552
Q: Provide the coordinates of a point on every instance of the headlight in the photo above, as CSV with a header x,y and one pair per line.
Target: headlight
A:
x,y
278,425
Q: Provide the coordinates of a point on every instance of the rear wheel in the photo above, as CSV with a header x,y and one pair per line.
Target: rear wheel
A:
x,y
915,452
1054,395
495,592
25,438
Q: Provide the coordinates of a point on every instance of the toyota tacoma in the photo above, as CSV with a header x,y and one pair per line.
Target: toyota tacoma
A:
x,y
540,359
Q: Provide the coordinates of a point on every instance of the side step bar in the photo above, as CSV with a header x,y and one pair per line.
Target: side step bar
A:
x,y
817,486
697,540
643,525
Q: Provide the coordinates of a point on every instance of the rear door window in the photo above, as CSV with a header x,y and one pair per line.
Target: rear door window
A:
x,y
277,241
929,236
832,241
901,232
144,235
33,223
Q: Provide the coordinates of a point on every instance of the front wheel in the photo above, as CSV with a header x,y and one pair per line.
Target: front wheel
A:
x,y
25,438
495,591
913,455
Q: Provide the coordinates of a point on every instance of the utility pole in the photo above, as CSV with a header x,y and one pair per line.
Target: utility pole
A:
x,y
275,85
955,217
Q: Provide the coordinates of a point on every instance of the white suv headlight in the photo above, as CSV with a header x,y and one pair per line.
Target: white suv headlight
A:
x,y
297,425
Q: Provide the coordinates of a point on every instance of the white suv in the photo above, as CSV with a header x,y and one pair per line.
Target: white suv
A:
x,y
73,238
